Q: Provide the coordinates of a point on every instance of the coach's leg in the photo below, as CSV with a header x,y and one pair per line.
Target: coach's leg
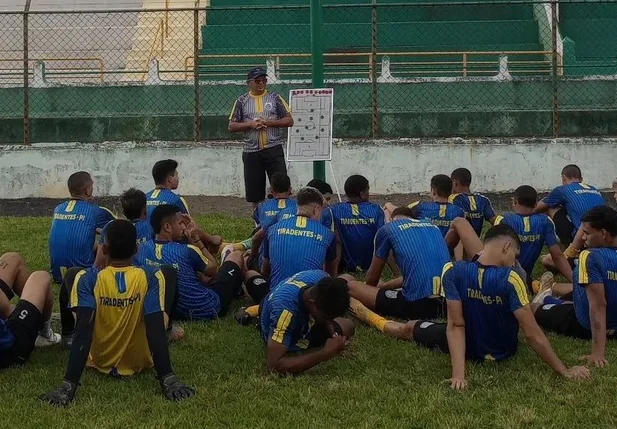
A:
x,y
274,161
254,178
13,274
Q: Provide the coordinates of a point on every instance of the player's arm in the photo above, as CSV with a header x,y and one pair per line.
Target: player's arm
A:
x,y
331,265
553,199
200,263
597,316
382,249
489,212
455,329
462,231
395,283
265,262
560,261
256,240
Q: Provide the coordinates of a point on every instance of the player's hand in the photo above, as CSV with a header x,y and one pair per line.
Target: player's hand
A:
x,y
457,383
599,361
174,390
61,396
216,240
335,344
577,373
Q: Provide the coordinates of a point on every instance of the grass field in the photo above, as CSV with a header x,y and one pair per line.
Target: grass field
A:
x,y
377,382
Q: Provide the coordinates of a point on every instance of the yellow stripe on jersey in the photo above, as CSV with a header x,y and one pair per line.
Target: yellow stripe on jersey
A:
x,y
300,222
355,210
158,251
161,279
201,255
155,193
584,186
233,109
526,224
70,206
445,269
109,211
472,202
519,286
583,274
186,206
281,326
442,210
74,293
480,277
412,205
498,219
282,203
285,105
297,283
452,197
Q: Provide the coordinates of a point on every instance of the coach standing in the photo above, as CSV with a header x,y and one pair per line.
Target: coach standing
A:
x,y
261,116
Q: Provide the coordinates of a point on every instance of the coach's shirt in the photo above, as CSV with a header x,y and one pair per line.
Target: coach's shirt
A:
x,y
420,252
598,265
477,208
265,214
489,295
297,244
269,106
357,225
534,231
73,235
282,315
120,297
160,197
195,300
577,199
440,214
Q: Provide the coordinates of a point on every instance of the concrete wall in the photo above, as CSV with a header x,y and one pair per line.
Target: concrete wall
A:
x,y
391,166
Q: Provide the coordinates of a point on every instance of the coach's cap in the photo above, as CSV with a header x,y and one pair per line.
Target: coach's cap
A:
x,y
256,72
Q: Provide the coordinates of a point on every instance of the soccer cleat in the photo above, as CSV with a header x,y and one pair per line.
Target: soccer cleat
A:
x,y
243,318
176,333
545,287
67,341
49,340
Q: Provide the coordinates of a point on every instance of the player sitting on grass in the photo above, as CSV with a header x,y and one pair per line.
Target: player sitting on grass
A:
x,y
420,252
477,207
535,230
486,302
203,293
593,314
121,315
357,222
305,312
440,212
134,208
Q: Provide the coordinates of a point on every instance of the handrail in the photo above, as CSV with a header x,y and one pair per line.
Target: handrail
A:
x,y
100,68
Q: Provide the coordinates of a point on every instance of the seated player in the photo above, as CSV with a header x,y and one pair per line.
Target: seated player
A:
x,y
323,187
357,222
477,207
439,211
166,181
420,252
593,314
203,293
280,189
486,301
535,230
121,315
299,243
305,312
134,208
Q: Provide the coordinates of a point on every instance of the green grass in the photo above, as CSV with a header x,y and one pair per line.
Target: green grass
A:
x,y
377,382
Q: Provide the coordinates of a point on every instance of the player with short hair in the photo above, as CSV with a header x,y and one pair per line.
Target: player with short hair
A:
x,y
420,252
487,302
323,187
477,207
266,211
121,315
357,221
593,312
134,208
305,312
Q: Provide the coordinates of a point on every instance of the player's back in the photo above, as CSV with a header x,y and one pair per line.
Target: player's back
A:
x,y
440,214
357,225
477,208
326,216
577,199
420,253
160,196
266,212
297,244
144,231
597,265
489,296
121,298
73,235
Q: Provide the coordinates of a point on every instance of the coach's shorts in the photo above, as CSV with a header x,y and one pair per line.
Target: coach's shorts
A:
x,y
24,322
226,283
564,228
561,319
256,166
431,335
394,304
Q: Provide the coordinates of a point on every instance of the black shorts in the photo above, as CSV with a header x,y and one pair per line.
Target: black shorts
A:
x,y
431,335
392,303
257,288
319,334
226,283
24,322
256,166
6,290
561,319
564,228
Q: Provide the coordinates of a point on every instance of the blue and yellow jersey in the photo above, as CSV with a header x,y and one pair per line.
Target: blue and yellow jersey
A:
x,y
576,198
282,316
357,225
440,214
534,231
121,297
73,235
477,208
297,244
326,217
193,295
420,252
265,214
159,197
6,336
489,295
144,231
598,265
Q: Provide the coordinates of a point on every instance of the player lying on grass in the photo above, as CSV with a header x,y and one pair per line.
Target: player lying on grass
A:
x,y
593,312
128,304
487,302
305,314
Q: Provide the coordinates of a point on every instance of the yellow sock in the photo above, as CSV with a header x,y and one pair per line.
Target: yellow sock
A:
x,y
253,310
367,316
377,321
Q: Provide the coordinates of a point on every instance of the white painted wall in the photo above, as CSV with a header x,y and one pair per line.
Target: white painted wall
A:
x,y
402,166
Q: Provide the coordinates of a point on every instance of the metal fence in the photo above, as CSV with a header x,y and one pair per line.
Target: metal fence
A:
x,y
486,68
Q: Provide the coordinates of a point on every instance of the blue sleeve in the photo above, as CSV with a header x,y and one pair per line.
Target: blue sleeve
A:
x,y
517,291
382,243
265,247
380,218
82,293
550,236
448,284
589,268
182,205
326,218
489,213
104,217
197,259
154,301
331,252
282,326
555,198
256,215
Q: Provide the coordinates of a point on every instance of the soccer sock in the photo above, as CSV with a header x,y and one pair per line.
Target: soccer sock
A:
x,y
244,245
367,316
253,310
46,330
